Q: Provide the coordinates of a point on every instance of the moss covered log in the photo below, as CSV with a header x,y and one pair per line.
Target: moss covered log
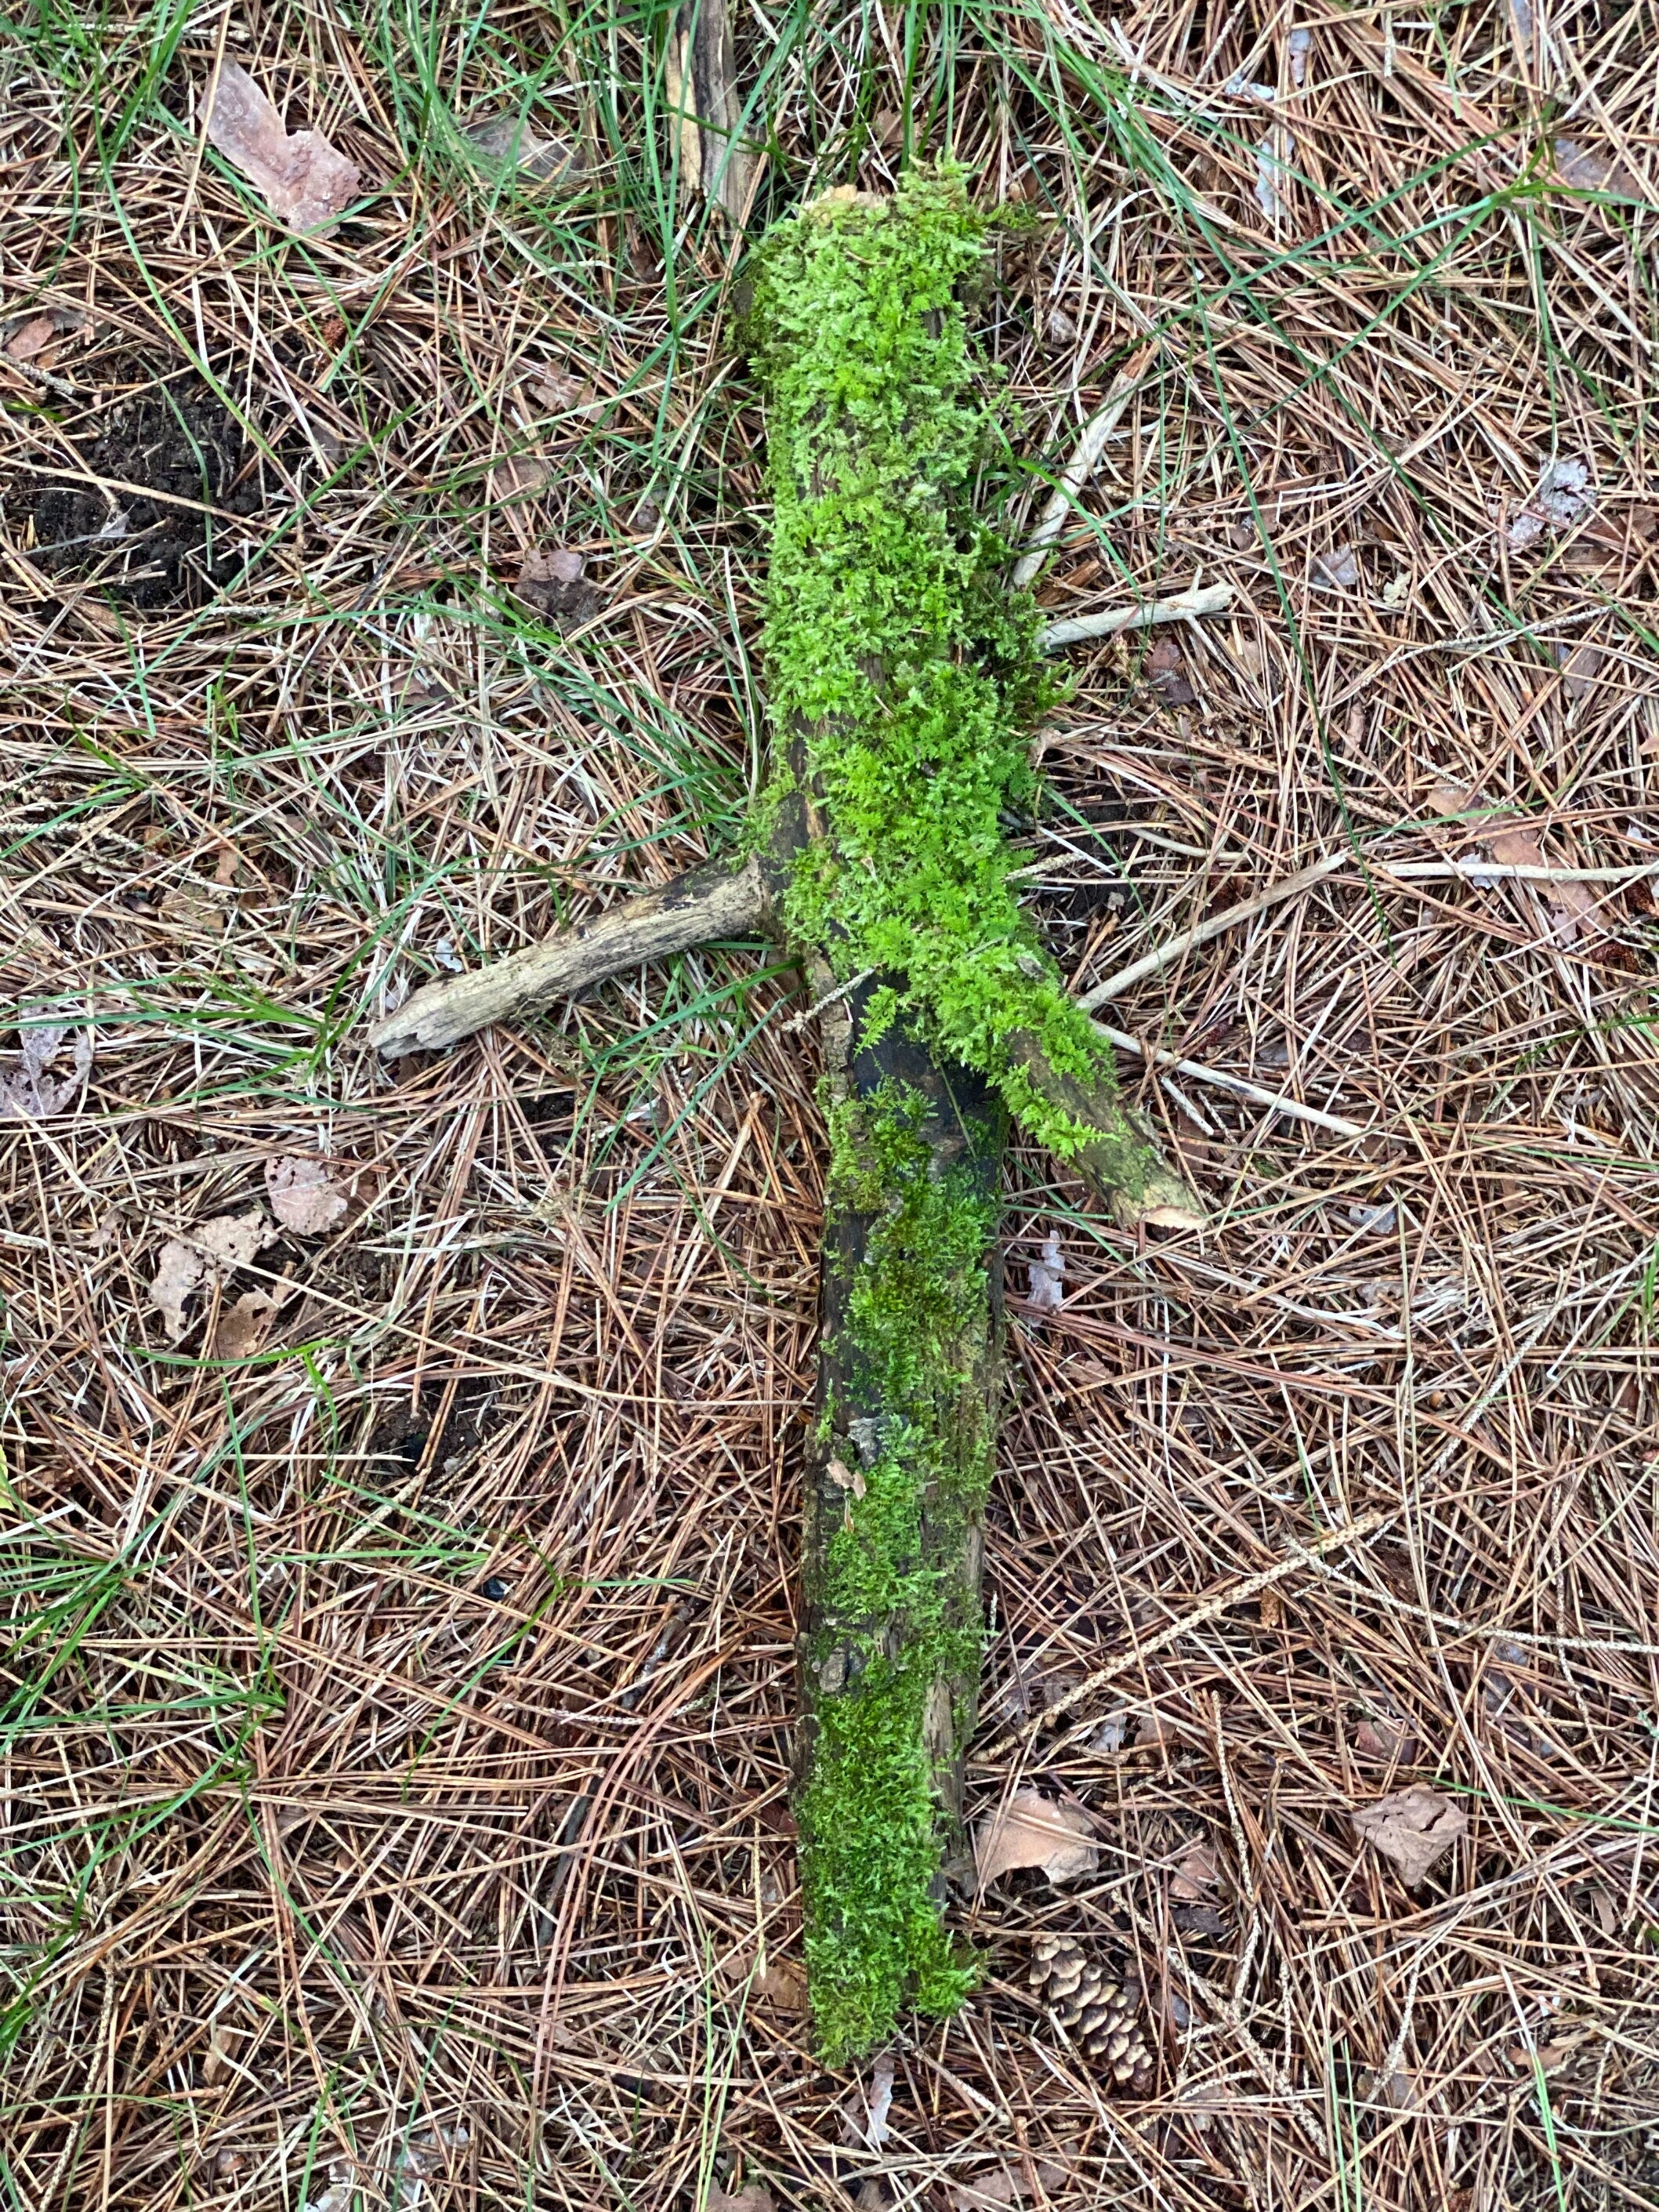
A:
x,y
903,681
898,1465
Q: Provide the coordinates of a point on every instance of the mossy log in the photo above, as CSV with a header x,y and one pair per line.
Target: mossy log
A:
x,y
903,680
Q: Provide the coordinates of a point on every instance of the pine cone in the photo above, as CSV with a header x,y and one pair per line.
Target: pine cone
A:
x,y
1098,2013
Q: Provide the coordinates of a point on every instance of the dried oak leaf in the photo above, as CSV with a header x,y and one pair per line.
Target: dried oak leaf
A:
x,y
1386,1740
1046,1289
303,1196
1031,1830
1414,1828
1165,672
189,907
305,182
551,583
232,1240
1580,667
517,478
503,144
1589,171
242,1329
31,338
783,1984
1196,1872
1573,908
554,389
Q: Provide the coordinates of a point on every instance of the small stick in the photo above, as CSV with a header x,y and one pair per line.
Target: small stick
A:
x,y
1234,1593
1481,872
1202,932
1212,599
1289,1107
713,902
1084,463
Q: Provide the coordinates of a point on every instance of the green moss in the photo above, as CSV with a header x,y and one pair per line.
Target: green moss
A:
x,y
903,680
894,650
895,1618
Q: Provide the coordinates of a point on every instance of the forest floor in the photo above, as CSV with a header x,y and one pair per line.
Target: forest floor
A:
x,y
394,1805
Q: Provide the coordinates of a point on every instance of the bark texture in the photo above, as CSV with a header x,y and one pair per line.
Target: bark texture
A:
x,y
710,903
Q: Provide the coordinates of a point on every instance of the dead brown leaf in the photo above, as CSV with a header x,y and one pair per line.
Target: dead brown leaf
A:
x,y
178,1272
517,478
1588,170
505,145
1580,669
1046,1288
1385,1740
997,2185
232,1240
305,182
1414,1829
29,1091
1509,842
560,392
783,1984
752,2197
1031,1830
242,1329
551,583
1196,1873
223,2040
1166,673
303,1196
210,1253
189,907
847,1478
30,339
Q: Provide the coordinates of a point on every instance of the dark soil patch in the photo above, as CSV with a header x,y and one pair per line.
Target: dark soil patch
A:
x,y
171,439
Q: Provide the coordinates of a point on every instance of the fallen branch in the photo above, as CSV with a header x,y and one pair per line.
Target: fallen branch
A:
x,y
1174,948
711,903
1212,599
1211,1608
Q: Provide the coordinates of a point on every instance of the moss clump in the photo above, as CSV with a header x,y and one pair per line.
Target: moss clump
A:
x,y
895,653
896,1623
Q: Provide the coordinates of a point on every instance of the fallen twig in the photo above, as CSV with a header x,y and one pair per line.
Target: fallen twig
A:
x,y
1292,1108
1202,932
699,909
1211,1608
1084,463
1212,599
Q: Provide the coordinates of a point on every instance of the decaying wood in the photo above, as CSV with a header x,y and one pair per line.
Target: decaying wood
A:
x,y
965,1124
710,903
701,76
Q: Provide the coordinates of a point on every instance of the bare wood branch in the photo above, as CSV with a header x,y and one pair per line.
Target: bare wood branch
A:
x,y
1292,1109
1212,599
710,903
702,97
1187,940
